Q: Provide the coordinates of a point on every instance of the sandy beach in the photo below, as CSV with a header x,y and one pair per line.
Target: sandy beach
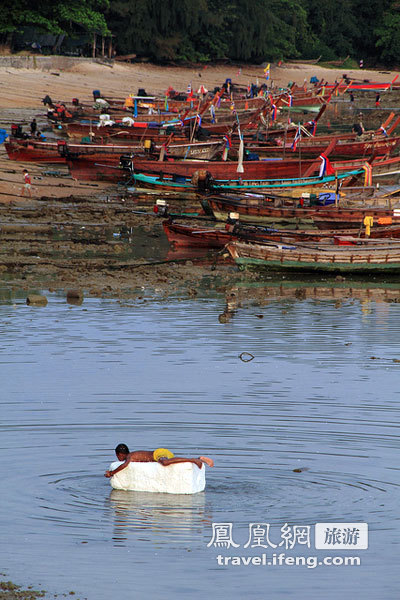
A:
x,y
24,88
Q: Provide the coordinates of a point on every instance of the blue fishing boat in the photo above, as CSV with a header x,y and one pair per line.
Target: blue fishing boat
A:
x,y
203,182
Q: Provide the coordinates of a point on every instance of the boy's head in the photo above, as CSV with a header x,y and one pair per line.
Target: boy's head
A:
x,y
122,451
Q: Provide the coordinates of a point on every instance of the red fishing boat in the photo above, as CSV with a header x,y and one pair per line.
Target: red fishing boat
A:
x,y
182,235
256,209
32,150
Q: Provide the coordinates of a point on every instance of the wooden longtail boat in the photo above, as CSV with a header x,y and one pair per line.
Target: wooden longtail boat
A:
x,y
268,169
254,208
137,129
242,185
37,151
31,151
304,103
363,86
263,169
346,146
82,165
101,168
379,259
312,61
176,106
182,235
57,152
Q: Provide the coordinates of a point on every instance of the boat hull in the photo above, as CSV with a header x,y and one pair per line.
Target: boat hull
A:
x,y
294,258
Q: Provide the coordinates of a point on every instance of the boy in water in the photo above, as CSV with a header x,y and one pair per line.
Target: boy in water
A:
x,y
123,454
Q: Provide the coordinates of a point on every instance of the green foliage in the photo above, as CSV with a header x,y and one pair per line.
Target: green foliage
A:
x,y
388,37
334,26
206,30
370,17
63,16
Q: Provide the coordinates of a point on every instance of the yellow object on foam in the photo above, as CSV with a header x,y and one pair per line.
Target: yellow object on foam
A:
x,y
162,453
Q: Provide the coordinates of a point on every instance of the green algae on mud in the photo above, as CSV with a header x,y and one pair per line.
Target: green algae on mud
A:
x,y
11,591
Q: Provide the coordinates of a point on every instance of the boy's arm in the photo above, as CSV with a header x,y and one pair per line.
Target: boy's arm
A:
x,y
118,469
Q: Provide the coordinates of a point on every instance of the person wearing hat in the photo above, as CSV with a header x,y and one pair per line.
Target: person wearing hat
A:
x,y
161,455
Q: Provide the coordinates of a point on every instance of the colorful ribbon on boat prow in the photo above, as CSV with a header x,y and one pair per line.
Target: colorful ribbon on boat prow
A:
x,y
368,175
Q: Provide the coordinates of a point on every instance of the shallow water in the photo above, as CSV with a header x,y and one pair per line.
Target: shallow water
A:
x,y
77,380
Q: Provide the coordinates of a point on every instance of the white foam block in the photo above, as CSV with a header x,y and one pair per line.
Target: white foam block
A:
x,y
181,478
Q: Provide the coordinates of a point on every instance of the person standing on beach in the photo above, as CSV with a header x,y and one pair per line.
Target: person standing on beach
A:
x,y
378,100
27,184
33,127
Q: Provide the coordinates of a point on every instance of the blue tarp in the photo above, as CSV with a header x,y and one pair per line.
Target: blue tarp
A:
x,y
3,135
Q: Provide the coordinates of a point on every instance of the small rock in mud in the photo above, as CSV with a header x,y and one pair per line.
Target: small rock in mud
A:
x,y
74,295
223,318
36,300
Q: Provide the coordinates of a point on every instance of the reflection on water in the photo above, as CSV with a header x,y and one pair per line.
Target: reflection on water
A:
x,y
320,397
160,517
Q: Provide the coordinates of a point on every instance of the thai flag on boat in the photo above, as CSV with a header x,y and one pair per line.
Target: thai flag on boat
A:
x,y
198,120
326,167
189,89
383,131
290,100
297,137
314,126
274,112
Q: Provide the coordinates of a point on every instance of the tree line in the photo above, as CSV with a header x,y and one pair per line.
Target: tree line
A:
x,y
209,30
